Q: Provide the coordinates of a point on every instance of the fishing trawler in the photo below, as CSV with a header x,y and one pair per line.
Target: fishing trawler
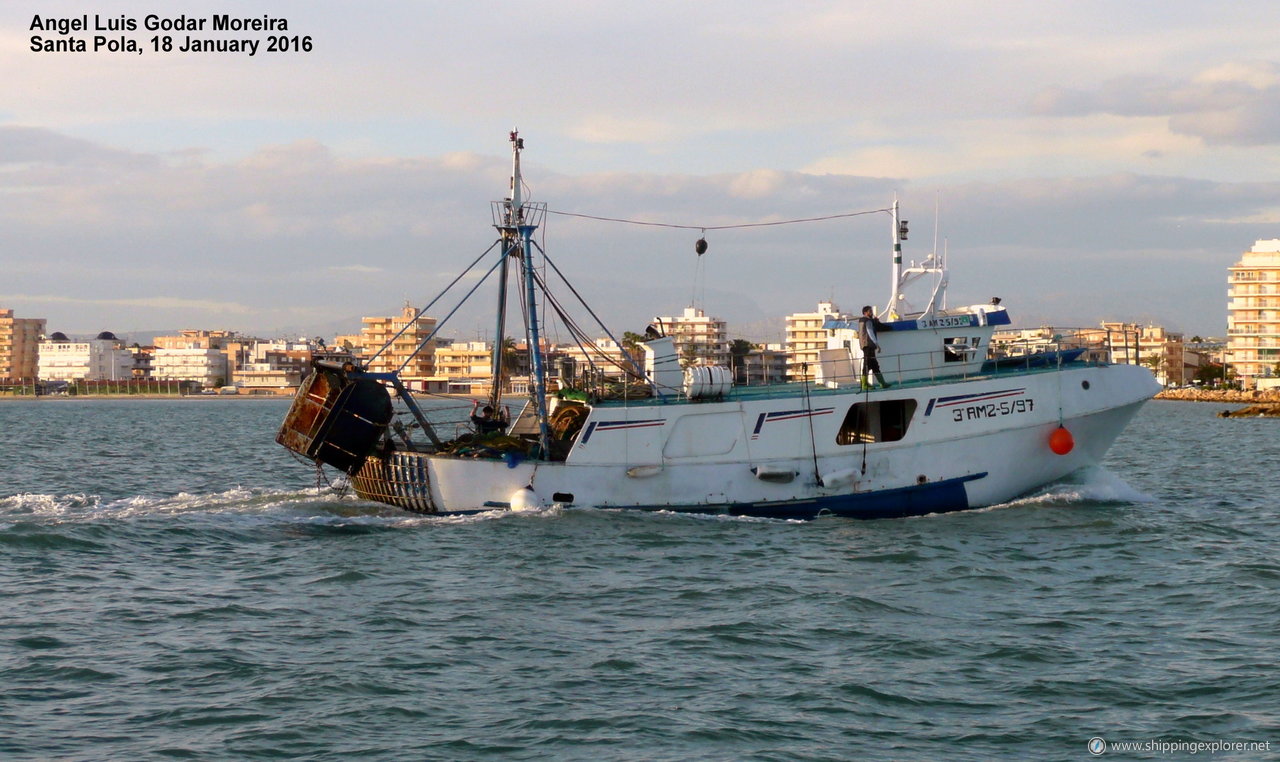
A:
x,y
947,424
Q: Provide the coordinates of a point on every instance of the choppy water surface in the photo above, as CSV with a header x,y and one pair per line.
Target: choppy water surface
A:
x,y
176,586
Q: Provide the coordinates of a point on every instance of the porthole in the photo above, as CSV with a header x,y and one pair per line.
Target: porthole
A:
x,y
1084,385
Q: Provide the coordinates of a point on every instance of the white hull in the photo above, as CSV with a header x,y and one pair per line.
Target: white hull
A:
x,y
967,444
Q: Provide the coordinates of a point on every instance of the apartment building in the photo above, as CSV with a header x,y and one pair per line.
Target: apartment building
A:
x,y
763,365
468,366
19,346
804,337
187,356
377,332
699,338
207,366
1253,316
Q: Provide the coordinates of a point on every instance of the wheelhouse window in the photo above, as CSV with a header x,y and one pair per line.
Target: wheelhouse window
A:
x,y
955,349
881,421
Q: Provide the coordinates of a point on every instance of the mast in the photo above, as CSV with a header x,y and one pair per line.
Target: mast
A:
x,y
517,231
507,222
899,235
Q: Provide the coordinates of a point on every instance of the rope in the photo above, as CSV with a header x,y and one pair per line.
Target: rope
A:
x,y
717,227
865,436
813,444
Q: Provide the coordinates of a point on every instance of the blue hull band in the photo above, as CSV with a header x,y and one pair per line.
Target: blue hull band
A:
x,y
917,500
933,497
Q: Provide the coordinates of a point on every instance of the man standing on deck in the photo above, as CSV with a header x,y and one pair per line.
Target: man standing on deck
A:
x,y
868,327
484,420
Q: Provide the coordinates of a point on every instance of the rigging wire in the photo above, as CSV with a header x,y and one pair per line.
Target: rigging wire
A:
x,y
580,336
718,227
575,331
439,296
432,335
590,312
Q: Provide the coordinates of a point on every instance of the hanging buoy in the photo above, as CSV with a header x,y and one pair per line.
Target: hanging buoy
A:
x,y
1061,441
525,499
700,246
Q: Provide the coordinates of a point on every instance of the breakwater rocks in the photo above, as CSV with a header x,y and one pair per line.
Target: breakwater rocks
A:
x,y
1253,411
1230,396
1266,404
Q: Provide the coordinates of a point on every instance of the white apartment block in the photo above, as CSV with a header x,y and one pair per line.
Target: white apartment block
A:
x,y
699,339
207,366
1253,315
805,336
102,359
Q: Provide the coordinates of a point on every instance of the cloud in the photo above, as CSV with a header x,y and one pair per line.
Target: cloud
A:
x,y
22,148
1236,103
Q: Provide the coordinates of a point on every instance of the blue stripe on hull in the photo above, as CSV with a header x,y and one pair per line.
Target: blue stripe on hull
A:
x,y
917,500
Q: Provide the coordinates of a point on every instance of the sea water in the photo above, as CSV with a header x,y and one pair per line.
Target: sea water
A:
x,y
174,585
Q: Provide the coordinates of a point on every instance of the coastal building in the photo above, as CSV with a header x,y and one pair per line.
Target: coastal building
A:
x,y
19,346
1163,351
764,365
272,367
403,354
605,357
266,377
1153,346
352,343
186,365
1253,316
699,339
103,358
467,365
206,366
196,339
805,338
142,359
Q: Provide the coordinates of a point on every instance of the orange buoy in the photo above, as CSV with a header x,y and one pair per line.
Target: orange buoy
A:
x,y
1061,441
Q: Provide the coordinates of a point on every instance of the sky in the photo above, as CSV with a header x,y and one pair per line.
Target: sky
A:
x,y
1082,160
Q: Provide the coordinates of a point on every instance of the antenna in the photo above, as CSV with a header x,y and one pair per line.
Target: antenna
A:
x,y
937,210
945,242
